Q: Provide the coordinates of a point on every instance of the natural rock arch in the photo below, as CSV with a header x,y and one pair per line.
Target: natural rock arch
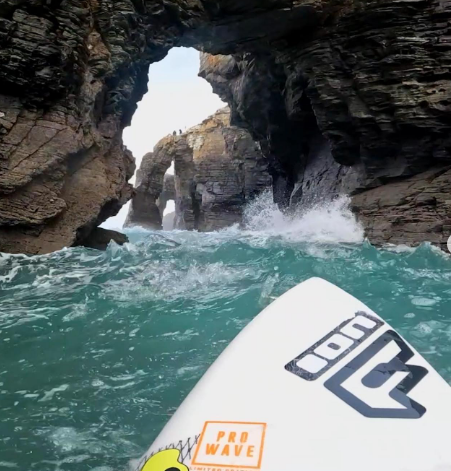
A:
x,y
218,169
369,78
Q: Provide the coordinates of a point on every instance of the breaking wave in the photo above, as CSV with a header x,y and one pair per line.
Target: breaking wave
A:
x,y
331,222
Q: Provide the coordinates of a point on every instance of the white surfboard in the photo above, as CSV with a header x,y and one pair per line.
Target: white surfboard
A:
x,y
316,382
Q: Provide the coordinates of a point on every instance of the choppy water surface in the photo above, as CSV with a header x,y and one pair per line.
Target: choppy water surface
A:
x,y
98,349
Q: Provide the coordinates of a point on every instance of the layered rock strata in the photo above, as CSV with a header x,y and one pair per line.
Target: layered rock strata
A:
x,y
218,170
367,81
348,112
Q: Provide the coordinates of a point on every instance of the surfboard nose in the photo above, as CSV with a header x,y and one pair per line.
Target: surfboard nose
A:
x,y
319,375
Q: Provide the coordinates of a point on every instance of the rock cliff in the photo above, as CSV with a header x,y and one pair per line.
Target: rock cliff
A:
x,y
218,169
408,211
349,123
364,84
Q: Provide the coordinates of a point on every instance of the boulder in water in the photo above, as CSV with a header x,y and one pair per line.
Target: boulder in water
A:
x,y
99,238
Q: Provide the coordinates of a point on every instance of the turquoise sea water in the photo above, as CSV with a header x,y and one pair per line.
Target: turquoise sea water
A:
x,y
98,349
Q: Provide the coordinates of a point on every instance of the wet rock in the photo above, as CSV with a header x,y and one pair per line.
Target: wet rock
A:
x,y
369,81
409,211
218,169
99,238
361,103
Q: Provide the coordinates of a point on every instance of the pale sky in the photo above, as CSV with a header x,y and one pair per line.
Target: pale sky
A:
x,y
177,99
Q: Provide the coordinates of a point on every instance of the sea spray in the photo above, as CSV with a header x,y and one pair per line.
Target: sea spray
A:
x,y
99,348
327,222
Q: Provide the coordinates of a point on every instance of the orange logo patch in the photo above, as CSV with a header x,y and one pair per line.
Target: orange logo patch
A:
x,y
231,445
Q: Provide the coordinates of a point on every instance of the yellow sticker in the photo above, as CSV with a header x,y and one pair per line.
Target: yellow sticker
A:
x,y
166,460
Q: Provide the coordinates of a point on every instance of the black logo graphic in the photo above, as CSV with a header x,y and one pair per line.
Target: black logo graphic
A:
x,y
373,393
328,351
378,376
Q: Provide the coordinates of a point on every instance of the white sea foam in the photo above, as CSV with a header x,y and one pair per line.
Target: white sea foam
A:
x,y
163,280
328,222
48,395
331,222
424,302
77,310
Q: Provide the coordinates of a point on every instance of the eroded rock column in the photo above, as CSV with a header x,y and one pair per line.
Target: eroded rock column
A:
x,y
218,170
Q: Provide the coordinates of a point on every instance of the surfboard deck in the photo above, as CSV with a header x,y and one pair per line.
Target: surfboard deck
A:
x,y
316,382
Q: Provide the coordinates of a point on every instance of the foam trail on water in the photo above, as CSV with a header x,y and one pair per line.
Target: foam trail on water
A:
x,y
331,222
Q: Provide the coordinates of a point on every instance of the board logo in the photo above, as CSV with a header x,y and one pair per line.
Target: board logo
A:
x,y
376,382
368,384
328,351
230,445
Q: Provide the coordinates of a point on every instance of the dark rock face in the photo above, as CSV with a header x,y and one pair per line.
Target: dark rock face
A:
x,y
409,211
252,85
71,74
361,101
63,168
371,78
99,238
218,169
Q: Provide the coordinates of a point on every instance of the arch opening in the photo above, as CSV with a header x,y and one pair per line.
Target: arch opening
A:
x,y
177,99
